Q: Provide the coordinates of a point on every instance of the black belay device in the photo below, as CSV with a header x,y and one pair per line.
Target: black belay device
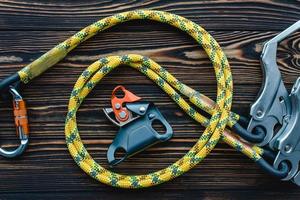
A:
x,y
135,119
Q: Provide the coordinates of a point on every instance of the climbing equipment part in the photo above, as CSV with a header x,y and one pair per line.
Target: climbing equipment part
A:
x,y
275,106
122,114
21,123
217,127
137,132
272,104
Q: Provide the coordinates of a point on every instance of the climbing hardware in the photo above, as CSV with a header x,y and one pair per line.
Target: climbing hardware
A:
x,y
223,125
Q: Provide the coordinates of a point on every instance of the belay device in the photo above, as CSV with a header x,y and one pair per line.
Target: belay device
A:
x,y
276,152
135,119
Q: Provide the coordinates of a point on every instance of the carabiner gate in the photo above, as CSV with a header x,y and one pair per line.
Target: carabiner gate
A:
x,y
21,123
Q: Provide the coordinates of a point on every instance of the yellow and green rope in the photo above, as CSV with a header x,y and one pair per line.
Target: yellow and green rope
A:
x,y
221,116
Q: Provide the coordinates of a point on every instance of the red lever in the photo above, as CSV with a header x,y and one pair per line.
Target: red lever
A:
x,y
121,112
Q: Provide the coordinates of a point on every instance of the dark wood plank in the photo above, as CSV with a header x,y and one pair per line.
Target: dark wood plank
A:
x,y
213,15
47,153
47,171
169,47
159,194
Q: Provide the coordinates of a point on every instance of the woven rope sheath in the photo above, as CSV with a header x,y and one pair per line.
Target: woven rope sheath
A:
x,y
220,111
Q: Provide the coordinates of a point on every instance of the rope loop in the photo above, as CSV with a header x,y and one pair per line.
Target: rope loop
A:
x,y
95,72
219,110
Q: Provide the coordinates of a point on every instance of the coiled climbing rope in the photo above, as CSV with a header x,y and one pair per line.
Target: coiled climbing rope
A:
x,y
221,116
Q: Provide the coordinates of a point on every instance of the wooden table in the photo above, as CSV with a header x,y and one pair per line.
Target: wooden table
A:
x,y
46,170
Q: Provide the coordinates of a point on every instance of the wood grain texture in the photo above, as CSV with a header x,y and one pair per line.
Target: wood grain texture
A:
x,y
167,46
213,15
46,171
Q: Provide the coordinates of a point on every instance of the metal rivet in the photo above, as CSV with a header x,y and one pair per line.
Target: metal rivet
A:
x,y
286,119
288,148
117,106
151,116
142,109
259,113
122,114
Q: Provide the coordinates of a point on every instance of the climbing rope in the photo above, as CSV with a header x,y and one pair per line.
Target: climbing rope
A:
x,y
221,116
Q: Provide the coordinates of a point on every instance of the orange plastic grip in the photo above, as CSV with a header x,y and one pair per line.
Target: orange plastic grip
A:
x,y
20,114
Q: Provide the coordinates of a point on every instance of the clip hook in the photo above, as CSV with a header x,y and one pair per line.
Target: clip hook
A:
x,y
21,123
288,143
273,105
276,106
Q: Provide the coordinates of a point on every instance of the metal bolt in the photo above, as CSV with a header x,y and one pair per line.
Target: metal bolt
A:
x,y
259,113
287,148
293,90
151,116
286,119
142,109
122,114
117,106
